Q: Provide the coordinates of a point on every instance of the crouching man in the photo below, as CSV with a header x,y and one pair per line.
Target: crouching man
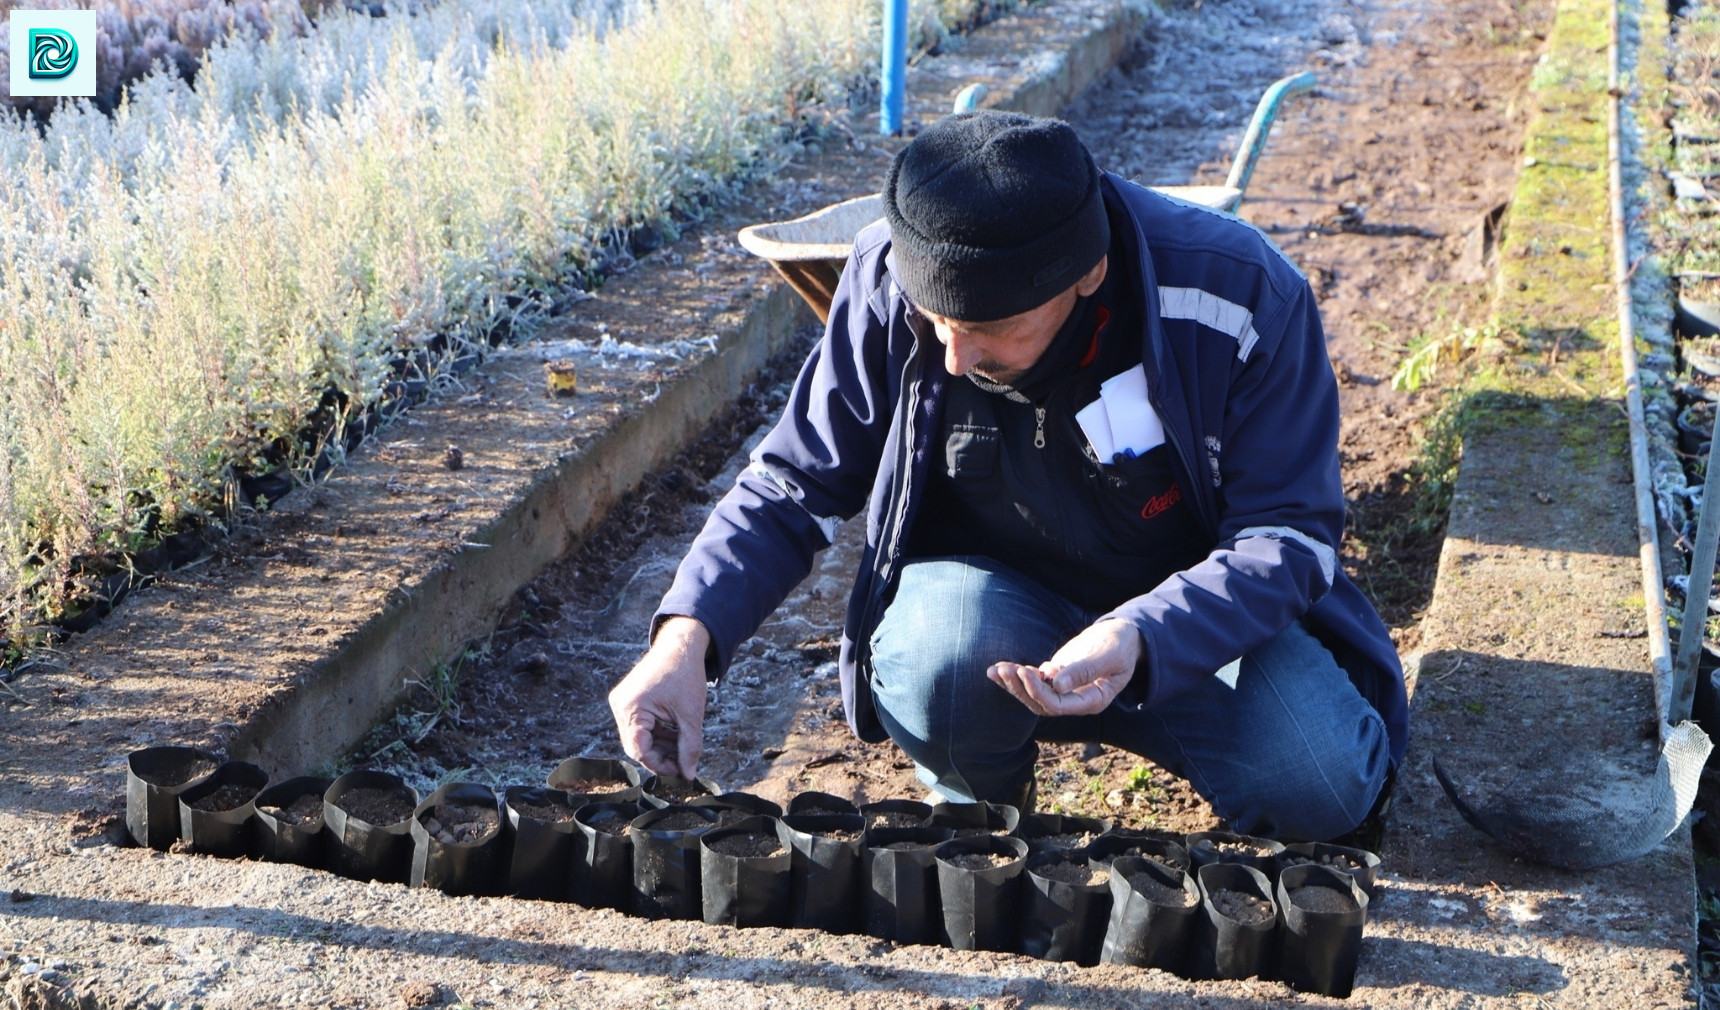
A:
x,y
1094,431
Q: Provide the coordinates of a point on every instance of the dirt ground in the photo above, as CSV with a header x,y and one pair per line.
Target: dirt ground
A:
x,y
1378,186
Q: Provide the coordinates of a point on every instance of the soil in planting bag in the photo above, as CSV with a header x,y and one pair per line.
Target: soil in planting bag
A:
x,y
1324,910
216,815
820,805
289,824
1106,848
666,883
154,778
1067,906
1358,863
458,842
899,882
601,780
545,839
1155,913
1228,847
659,791
732,808
1064,832
368,815
602,874
896,814
975,818
979,888
827,851
745,874
1239,938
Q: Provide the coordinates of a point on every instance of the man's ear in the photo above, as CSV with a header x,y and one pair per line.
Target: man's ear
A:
x,y
1095,277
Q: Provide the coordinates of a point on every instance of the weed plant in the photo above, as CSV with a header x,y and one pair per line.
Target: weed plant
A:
x,y
187,279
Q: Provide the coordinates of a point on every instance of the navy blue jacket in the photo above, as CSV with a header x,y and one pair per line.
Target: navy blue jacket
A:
x,y
1237,370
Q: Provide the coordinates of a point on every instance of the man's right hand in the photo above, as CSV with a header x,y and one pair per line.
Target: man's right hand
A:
x,y
660,705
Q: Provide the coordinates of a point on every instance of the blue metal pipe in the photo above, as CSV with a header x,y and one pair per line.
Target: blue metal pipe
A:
x,y
893,67
1242,168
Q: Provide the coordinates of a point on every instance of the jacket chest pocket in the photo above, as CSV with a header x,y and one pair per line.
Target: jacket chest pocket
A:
x,y
970,450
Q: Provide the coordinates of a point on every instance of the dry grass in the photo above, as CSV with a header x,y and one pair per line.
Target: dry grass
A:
x,y
184,280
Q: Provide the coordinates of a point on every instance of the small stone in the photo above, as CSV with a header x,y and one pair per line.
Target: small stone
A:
x,y
446,838
47,974
453,458
432,826
31,968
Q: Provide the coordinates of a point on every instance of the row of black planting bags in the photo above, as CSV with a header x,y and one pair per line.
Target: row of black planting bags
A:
x,y
972,876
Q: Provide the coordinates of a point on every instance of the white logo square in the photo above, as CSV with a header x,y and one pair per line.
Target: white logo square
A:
x,y
53,53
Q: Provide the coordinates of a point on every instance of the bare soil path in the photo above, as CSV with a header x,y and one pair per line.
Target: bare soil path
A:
x,y
1378,187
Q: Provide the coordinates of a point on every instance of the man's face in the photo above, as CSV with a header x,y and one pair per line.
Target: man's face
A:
x,y
1002,350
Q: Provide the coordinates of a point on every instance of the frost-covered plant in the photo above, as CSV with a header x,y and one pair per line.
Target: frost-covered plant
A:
x,y
182,281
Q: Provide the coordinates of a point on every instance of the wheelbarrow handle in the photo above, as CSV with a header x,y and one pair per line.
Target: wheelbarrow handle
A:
x,y
1254,141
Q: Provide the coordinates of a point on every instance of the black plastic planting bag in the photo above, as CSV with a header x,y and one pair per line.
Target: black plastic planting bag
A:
x,y
1053,831
1155,913
1063,920
817,804
1324,911
154,778
975,818
600,780
1231,947
281,839
1358,863
470,865
1106,848
226,833
745,890
602,874
826,869
659,791
545,839
362,850
899,879
666,882
896,814
1228,847
733,808
981,904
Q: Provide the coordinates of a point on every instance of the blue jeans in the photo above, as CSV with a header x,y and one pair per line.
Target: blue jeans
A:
x,y
1293,751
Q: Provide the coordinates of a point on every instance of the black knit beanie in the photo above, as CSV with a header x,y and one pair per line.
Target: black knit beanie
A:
x,y
993,213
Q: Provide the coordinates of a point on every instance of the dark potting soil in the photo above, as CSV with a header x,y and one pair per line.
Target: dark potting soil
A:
x,y
612,824
1160,893
982,860
895,819
452,824
748,846
1336,860
592,787
229,797
549,813
306,812
179,774
1078,874
685,820
836,834
1322,899
1069,839
380,807
826,812
911,846
1245,849
678,792
1245,908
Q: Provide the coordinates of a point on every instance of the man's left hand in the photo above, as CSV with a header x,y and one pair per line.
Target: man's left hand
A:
x,y
1082,678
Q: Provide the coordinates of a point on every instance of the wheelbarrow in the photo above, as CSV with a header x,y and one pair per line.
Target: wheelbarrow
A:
x,y
809,252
